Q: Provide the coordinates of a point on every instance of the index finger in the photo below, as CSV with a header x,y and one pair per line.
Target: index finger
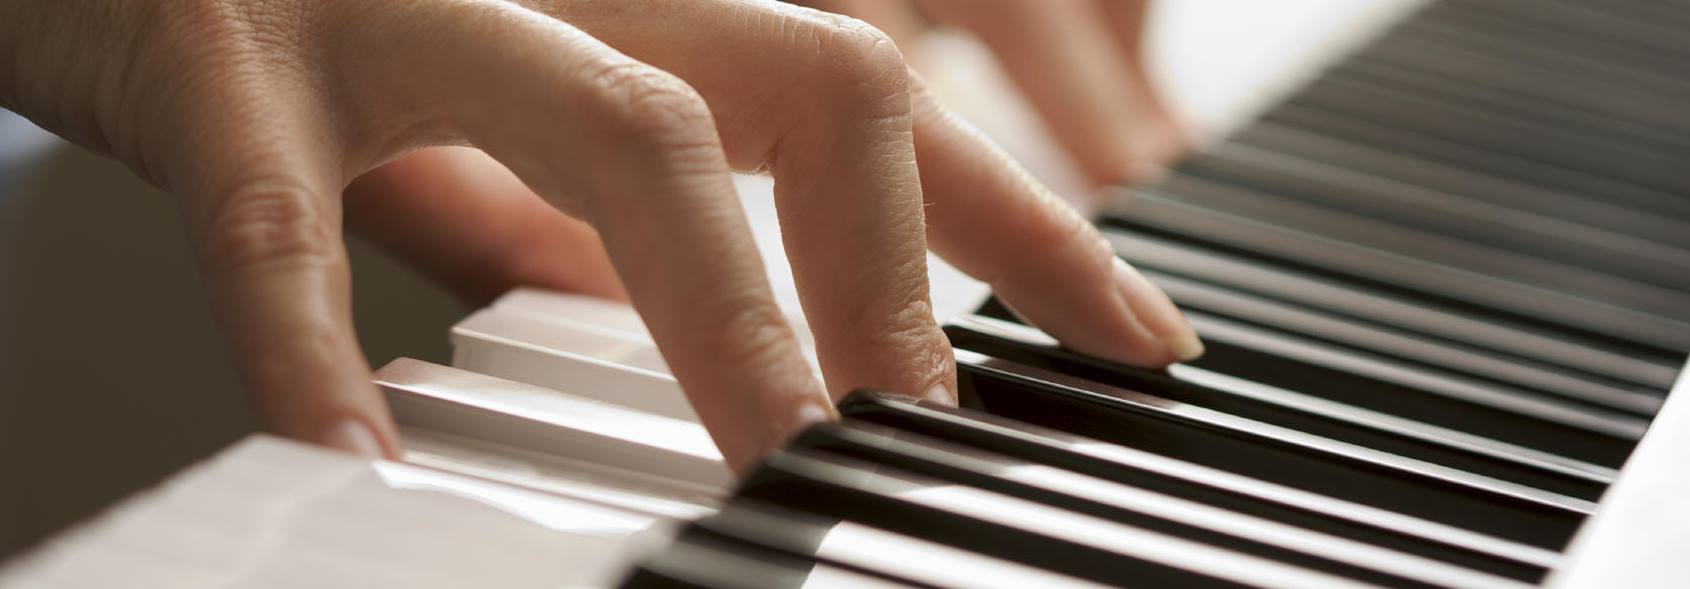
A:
x,y
991,219
264,219
635,152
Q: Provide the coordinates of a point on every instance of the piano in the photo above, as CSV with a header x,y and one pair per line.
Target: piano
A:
x,y
1445,290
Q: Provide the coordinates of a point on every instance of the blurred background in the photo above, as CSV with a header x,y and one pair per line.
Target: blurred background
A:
x,y
112,377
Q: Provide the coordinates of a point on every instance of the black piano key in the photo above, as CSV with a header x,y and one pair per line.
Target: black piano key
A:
x,y
1651,12
1578,432
1584,19
1472,220
1158,214
1305,413
1521,342
1527,82
704,561
1634,194
873,551
1008,528
1254,449
1136,507
1533,380
1424,248
1587,209
1593,154
1327,514
1590,68
1619,127
1568,435
1525,33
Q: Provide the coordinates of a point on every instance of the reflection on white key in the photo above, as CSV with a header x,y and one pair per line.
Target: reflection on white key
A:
x,y
269,512
614,332
523,347
579,309
473,419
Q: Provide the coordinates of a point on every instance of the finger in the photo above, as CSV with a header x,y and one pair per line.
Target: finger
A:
x,y
635,152
899,19
1062,57
990,219
457,215
849,198
822,101
1167,133
260,195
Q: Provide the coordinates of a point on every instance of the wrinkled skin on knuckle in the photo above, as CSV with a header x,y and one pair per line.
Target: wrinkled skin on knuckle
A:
x,y
853,67
266,227
130,79
755,332
650,109
893,329
654,126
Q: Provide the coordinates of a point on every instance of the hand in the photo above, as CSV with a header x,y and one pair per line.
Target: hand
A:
x,y
1079,62
613,123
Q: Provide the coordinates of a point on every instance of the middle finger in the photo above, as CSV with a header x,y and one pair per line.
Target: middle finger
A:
x,y
823,102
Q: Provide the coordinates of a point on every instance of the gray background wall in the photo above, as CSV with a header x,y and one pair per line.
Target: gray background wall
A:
x,y
111,376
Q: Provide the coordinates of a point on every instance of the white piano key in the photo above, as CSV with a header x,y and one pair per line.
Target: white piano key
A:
x,y
269,513
524,348
579,309
512,414
613,331
1637,537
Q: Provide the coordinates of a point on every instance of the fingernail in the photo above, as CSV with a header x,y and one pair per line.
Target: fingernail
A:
x,y
941,394
1186,347
809,413
355,437
1142,172
1157,312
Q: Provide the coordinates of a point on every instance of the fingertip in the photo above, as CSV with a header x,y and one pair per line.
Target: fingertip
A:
x,y
353,436
743,454
1152,308
1186,346
942,393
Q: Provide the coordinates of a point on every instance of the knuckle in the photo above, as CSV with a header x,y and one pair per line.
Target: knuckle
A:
x,y
758,333
861,64
905,324
651,107
906,335
267,225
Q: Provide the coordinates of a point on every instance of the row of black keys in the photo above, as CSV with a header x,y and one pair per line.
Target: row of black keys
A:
x,y
1440,290
1406,205
1406,492
1524,159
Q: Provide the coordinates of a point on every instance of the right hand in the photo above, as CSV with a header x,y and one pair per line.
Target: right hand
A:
x,y
627,116
1081,63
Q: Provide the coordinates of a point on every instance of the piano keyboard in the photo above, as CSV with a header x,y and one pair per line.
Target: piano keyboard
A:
x,y
1444,290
